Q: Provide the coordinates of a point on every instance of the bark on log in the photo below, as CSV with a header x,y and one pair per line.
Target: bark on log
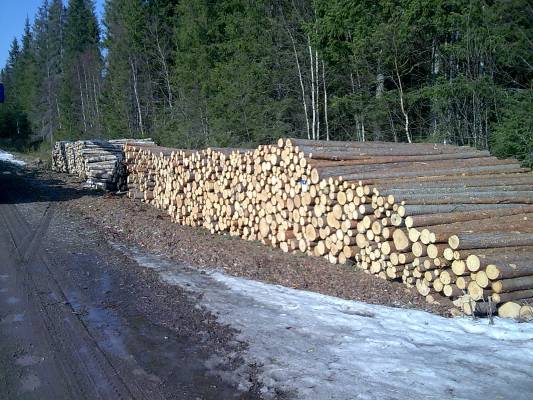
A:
x,y
513,284
412,210
491,239
510,296
425,220
369,176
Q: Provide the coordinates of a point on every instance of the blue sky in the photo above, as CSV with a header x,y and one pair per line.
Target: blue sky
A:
x,y
12,16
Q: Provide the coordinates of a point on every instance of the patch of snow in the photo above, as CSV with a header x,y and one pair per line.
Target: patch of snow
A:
x,y
10,158
321,347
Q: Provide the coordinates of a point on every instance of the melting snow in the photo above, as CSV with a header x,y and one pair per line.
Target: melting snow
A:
x,y
10,158
320,347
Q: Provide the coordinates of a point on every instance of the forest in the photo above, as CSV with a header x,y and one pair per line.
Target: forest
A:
x,y
240,72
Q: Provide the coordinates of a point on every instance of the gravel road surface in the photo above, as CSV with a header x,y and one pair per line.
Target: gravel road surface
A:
x,y
79,320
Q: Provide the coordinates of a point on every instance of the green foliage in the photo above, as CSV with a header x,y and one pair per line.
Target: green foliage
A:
x,y
513,133
241,73
448,62
81,72
48,53
19,71
119,41
81,32
242,104
14,126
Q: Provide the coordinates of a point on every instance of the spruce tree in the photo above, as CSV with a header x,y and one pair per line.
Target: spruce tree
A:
x,y
48,31
81,67
127,86
28,78
14,52
14,123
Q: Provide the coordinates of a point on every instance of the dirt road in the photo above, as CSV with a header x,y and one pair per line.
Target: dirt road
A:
x,y
79,320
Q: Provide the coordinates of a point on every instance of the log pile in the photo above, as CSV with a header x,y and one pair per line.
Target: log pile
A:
x,y
99,162
449,221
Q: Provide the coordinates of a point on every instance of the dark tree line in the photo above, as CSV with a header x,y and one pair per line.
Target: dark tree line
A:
x,y
236,72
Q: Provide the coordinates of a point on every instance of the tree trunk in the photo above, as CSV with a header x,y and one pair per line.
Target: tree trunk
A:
x,y
325,100
82,101
96,100
165,69
317,97
139,112
313,104
302,87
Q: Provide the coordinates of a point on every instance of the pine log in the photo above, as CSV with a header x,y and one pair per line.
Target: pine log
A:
x,y
426,220
507,270
400,239
510,296
483,179
490,239
512,223
502,265
352,169
469,198
458,181
476,292
411,210
369,176
513,284
293,142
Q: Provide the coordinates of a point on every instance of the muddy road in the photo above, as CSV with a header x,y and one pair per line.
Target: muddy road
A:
x,y
79,320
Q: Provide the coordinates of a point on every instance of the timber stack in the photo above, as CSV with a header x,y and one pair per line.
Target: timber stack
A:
x,y
449,221
99,162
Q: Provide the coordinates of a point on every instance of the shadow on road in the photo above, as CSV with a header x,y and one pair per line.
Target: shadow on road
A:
x,y
29,184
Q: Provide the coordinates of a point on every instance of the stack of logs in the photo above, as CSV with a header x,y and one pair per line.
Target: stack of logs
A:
x,y
447,220
97,161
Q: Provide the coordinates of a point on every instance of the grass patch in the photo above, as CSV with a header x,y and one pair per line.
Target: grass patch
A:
x,y
40,151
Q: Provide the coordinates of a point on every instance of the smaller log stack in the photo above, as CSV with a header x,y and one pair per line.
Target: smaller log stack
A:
x,y
99,162
449,221
59,156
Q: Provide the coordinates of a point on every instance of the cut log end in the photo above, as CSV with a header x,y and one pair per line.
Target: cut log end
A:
x,y
453,241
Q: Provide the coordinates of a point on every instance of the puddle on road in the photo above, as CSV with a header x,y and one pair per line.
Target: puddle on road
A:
x,y
30,383
104,322
28,360
151,351
12,318
111,330
12,300
174,354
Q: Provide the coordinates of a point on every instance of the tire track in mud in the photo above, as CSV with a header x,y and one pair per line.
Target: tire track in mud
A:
x,y
84,368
